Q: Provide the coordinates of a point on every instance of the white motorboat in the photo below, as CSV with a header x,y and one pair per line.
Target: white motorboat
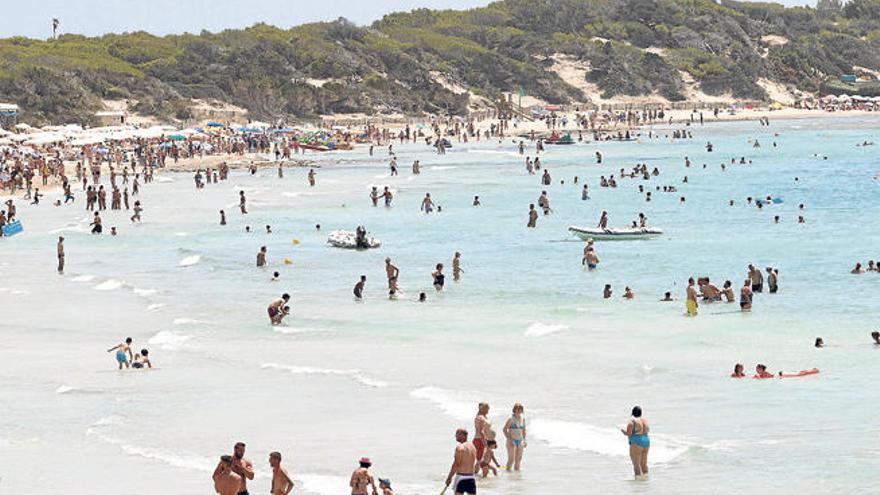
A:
x,y
624,234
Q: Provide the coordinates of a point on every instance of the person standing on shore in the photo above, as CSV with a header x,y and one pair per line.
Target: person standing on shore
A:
x,y
482,428
636,432
60,254
361,478
242,467
690,302
312,176
515,432
227,482
461,474
281,482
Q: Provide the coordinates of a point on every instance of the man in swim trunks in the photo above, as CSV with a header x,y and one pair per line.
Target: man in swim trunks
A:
x,y
482,428
361,478
281,482
226,482
242,467
757,279
690,302
121,351
590,258
463,465
276,309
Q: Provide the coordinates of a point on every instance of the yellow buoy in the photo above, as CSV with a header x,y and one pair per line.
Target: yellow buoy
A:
x,y
295,242
287,261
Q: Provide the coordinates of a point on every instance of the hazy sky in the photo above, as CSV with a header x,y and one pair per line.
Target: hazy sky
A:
x,y
32,18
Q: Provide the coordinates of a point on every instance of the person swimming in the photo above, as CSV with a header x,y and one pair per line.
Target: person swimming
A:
x,y
761,372
738,371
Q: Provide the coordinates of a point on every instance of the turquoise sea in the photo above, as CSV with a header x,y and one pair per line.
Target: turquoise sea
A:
x,y
392,380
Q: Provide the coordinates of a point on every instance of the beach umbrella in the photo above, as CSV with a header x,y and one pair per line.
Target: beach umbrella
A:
x,y
177,137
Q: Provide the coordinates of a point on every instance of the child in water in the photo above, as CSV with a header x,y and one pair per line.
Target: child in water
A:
x,y
489,458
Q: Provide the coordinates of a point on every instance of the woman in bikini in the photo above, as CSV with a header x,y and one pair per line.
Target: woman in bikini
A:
x,y
515,432
636,432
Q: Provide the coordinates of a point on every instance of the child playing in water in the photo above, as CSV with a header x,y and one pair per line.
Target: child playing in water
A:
x,y
385,486
489,458
142,360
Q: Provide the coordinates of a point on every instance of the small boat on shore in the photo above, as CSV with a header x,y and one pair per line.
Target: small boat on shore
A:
x,y
624,234
347,239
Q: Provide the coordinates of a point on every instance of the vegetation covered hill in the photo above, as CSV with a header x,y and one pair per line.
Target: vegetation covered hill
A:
x,y
413,62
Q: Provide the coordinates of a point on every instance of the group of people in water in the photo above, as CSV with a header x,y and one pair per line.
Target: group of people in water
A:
x,y
126,358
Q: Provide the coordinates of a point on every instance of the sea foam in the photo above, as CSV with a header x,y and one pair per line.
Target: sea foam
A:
x,y
540,329
355,375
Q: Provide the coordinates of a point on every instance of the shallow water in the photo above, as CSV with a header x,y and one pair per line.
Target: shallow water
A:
x,y
392,380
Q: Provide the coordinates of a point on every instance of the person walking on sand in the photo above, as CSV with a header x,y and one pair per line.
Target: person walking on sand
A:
x,y
690,302
515,432
60,250
461,474
361,478
636,432
227,482
123,353
281,482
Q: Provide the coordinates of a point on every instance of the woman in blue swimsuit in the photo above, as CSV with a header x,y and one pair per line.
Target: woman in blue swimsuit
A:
x,y
637,434
515,432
